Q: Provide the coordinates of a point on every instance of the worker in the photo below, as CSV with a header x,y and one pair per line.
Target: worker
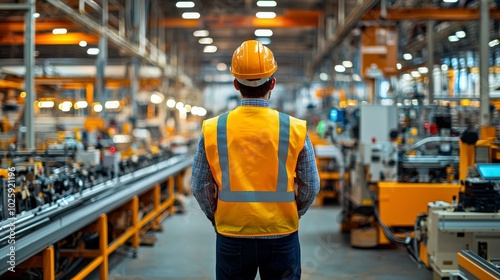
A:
x,y
254,175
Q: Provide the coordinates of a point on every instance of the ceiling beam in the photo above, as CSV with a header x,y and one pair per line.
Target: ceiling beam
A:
x,y
450,14
50,39
289,19
40,25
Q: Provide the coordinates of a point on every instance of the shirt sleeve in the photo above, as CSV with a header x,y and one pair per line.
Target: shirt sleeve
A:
x,y
307,178
202,181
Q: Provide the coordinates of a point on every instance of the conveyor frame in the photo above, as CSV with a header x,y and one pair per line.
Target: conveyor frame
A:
x,y
61,227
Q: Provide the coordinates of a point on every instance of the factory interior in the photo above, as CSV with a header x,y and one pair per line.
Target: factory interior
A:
x,y
102,104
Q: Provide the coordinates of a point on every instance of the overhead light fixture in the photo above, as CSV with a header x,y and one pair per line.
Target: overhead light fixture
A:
x,y
266,3
339,68
46,104
82,104
265,14
221,66
156,98
36,15
356,77
209,49
171,103
59,31
184,4
206,41
460,34
113,104
82,43
399,66
407,56
323,77
93,51
450,1
263,33
97,107
264,40
407,77
493,43
179,105
444,67
201,33
191,15
423,70
453,38
415,74
188,108
347,64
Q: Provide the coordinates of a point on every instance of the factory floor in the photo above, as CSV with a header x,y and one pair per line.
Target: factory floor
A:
x,y
186,250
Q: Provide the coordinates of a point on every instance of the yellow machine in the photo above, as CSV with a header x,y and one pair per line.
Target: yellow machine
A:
x,y
388,187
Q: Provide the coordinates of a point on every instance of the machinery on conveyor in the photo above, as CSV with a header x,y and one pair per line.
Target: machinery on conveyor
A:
x,y
464,231
47,196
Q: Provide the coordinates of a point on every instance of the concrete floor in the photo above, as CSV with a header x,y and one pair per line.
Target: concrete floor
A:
x,y
186,250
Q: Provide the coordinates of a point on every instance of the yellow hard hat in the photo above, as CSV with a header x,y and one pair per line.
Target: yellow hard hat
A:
x,y
253,63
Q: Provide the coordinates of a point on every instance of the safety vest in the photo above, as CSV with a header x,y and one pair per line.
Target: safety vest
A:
x,y
252,153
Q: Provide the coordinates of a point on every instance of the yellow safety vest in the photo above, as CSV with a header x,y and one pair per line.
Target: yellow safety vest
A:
x,y
252,153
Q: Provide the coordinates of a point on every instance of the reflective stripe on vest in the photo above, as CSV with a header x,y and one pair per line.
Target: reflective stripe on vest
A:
x,y
281,194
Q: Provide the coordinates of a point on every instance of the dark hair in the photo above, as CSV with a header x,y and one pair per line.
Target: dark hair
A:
x,y
255,92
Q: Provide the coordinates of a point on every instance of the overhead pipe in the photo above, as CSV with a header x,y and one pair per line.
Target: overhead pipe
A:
x,y
350,22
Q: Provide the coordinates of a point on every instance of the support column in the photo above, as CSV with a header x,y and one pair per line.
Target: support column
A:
x,y
102,59
29,62
430,60
484,38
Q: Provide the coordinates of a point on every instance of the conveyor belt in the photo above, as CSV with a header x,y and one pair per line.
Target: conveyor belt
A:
x,y
122,189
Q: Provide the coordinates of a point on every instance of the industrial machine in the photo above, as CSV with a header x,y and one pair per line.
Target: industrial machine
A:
x,y
391,185
471,222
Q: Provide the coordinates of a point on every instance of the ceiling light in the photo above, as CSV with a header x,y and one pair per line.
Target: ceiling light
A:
x,y
399,66
82,44
453,38
460,34
82,104
59,31
206,41
423,70
263,32
156,98
221,66
356,77
264,41
407,56
113,104
201,33
191,15
450,1
339,68
93,51
407,77
188,108
347,64
179,105
45,104
266,3
323,77
209,49
415,74
444,67
493,43
265,14
36,15
171,103
97,107
184,4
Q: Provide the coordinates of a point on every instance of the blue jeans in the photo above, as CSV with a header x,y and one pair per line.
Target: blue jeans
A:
x,y
239,258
